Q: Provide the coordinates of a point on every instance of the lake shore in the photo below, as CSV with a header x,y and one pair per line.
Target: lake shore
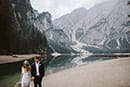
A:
x,y
15,58
111,73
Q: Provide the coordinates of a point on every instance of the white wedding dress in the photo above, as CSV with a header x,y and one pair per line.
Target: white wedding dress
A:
x,y
26,78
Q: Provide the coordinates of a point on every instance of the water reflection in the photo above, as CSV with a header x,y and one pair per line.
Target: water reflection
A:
x,y
59,63
62,62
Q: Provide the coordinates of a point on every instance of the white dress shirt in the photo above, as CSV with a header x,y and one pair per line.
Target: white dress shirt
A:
x,y
37,68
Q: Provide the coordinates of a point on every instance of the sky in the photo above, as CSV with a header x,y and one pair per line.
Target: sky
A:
x,y
59,8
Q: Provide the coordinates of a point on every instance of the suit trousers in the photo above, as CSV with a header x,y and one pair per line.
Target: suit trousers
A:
x,y
37,81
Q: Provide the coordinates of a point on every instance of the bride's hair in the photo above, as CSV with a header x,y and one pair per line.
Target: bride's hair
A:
x,y
26,65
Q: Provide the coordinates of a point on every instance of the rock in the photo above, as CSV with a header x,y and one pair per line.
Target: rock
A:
x,y
18,84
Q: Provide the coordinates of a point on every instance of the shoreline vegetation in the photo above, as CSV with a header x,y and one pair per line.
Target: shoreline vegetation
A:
x,y
111,73
15,58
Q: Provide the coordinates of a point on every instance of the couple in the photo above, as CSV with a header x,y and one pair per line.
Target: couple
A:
x,y
34,72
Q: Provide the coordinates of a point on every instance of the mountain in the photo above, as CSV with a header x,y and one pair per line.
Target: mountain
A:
x,y
20,28
102,28
58,37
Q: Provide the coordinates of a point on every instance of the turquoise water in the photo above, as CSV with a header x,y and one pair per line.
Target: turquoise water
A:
x,y
9,73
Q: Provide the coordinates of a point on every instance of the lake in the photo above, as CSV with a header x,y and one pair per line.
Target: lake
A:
x,y
10,72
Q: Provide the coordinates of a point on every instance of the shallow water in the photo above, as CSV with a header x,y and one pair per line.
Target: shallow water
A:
x,y
9,73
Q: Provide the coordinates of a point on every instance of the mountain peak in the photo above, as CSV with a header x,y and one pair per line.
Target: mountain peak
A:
x,y
45,14
81,9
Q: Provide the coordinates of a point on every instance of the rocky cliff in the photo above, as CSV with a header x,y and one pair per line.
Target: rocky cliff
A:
x,y
19,32
102,28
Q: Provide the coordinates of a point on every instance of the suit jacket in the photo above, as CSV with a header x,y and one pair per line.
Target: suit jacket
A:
x,y
41,69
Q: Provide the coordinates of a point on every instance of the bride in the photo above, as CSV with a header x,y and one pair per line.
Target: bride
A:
x,y
25,74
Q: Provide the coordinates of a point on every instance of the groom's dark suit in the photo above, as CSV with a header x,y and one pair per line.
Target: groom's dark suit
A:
x,y
38,78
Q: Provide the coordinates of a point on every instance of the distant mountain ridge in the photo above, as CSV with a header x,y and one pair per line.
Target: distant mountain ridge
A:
x,y
102,28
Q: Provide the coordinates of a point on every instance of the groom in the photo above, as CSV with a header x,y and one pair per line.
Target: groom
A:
x,y
37,71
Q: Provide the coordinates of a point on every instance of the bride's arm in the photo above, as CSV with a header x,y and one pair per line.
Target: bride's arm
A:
x,y
21,74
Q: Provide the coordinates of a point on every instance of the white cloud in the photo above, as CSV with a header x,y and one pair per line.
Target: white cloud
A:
x,y
60,7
